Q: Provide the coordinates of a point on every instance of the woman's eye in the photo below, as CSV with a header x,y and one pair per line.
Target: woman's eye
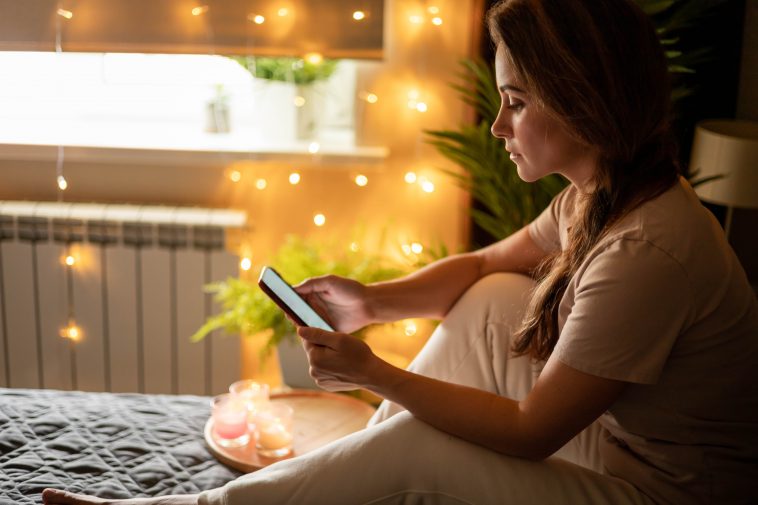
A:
x,y
515,105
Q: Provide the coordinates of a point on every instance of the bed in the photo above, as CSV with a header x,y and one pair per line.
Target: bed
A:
x,y
109,445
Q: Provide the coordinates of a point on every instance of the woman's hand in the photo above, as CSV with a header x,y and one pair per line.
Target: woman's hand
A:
x,y
60,497
341,301
340,362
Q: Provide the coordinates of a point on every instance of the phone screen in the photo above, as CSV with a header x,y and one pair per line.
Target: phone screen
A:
x,y
288,299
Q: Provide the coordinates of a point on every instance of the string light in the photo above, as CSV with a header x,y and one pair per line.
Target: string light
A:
x,y
71,332
354,246
416,19
359,15
261,184
299,101
314,58
410,177
421,107
235,175
283,11
417,248
314,147
197,11
361,180
319,219
70,260
415,103
246,264
433,9
65,14
256,18
427,186
369,97
410,328
406,249
437,21
62,183
294,178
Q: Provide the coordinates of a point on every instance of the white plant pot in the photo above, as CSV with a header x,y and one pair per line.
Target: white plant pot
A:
x,y
310,110
294,364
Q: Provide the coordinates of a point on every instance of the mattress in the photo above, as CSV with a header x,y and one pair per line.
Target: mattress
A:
x,y
109,445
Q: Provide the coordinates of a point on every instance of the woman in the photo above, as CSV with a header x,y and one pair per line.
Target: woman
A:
x,y
632,358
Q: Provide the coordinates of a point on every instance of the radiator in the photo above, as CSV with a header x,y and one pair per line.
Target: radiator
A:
x,y
133,294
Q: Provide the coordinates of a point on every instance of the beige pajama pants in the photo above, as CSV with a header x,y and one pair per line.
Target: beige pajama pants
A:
x,y
401,460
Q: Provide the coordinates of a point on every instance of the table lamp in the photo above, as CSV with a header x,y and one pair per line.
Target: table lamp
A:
x,y
728,148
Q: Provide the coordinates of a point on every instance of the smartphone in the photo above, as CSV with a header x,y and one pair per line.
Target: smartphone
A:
x,y
289,301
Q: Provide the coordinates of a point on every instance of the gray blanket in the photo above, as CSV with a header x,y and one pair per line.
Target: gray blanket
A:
x,y
109,445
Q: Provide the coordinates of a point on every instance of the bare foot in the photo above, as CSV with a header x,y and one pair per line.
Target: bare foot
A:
x,y
59,497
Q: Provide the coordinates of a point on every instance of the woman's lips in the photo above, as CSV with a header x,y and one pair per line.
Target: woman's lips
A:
x,y
515,156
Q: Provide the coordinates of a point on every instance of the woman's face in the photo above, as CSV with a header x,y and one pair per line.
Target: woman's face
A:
x,y
538,143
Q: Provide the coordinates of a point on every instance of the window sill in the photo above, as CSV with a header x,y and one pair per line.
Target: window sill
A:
x,y
152,145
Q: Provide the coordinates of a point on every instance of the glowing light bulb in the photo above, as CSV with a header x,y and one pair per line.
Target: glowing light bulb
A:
x,y
437,21
202,9
65,14
319,219
428,186
416,19
314,147
359,15
314,58
256,18
410,177
246,264
433,9
71,332
294,178
70,260
354,246
421,107
361,180
416,248
235,175
413,99
283,11
410,328
299,101
62,183
372,98
261,184
406,249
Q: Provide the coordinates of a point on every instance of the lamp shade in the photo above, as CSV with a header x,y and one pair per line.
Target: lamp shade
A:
x,y
728,148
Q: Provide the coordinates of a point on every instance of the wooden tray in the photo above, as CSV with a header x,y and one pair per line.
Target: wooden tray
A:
x,y
320,417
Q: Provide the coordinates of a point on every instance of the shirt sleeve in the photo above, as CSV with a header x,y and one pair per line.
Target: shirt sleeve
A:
x,y
545,229
631,303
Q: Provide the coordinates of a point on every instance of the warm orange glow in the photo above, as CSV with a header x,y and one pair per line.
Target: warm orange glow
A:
x,y
294,178
235,175
428,186
261,184
299,101
354,246
71,332
246,264
359,15
283,11
319,219
417,248
256,18
437,21
314,147
197,11
65,14
416,19
314,58
62,183
433,9
410,328
361,180
422,107
70,260
410,177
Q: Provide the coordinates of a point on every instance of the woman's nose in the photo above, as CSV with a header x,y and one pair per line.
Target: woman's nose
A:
x,y
501,127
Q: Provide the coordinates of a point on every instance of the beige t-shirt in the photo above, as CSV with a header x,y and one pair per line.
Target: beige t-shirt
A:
x,y
662,303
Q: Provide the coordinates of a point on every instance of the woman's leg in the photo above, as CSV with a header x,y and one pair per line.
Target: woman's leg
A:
x,y
471,346
406,461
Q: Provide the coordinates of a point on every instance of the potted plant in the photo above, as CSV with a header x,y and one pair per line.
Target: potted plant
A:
x,y
305,76
245,309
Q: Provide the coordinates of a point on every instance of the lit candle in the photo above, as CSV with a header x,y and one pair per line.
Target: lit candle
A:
x,y
274,435
229,421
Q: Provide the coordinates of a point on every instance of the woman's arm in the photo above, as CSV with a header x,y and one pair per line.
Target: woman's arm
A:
x,y
434,289
562,403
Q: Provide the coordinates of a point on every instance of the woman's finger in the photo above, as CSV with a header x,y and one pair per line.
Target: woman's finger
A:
x,y
319,337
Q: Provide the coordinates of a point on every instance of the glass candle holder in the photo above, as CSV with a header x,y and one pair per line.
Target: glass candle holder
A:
x,y
254,395
229,421
274,435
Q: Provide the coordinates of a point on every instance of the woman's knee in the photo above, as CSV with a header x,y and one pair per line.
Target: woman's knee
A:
x,y
498,298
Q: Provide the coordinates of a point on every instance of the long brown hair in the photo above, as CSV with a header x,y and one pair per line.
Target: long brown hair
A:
x,y
597,66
